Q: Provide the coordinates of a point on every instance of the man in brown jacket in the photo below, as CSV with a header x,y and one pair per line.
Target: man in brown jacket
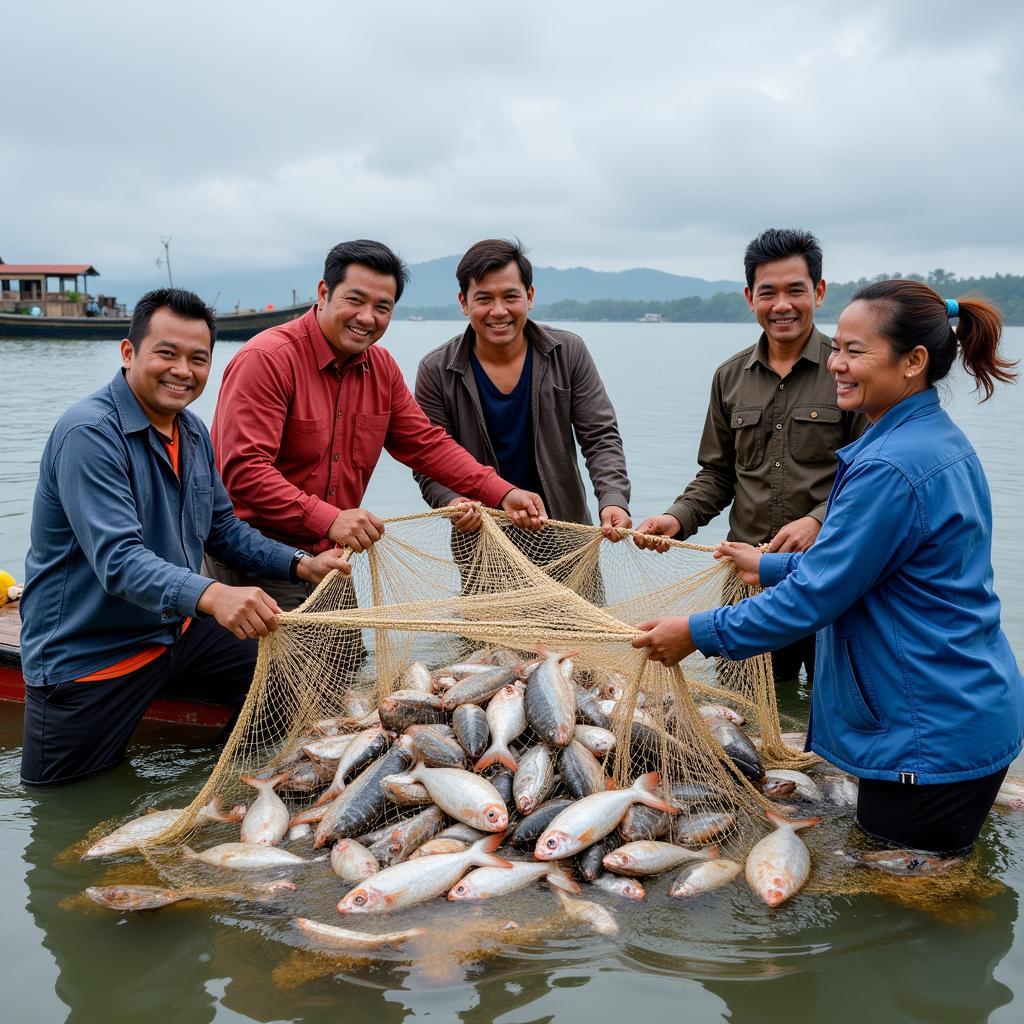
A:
x,y
773,425
513,393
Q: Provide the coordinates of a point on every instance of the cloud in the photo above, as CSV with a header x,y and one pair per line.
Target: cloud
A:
x,y
662,134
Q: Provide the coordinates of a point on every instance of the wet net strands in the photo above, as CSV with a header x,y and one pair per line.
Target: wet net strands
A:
x,y
428,593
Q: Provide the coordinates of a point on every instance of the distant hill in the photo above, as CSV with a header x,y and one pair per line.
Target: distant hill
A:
x,y
433,284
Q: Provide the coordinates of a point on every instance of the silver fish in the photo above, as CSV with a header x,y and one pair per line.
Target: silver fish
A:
x,y
417,677
360,805
581,772
597,740
463,795
592,818
349,939
779,864
701,827
842,790
699,878
535,778
364,747
478,689
484,883
591,914
266,821
352,862
642,822
506,720
903,863
414,832
737,745
245,856
409,707
620,885
139,831
550,703
651,857
436,749
806,789
721,711
135,897
471,730
419,880
405,794
439,845
327,748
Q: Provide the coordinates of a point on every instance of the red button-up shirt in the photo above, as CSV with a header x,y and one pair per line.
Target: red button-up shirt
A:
x,y
297,436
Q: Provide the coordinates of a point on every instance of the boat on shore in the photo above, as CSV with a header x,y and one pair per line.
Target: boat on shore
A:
x,y
240,326
43,300
172,711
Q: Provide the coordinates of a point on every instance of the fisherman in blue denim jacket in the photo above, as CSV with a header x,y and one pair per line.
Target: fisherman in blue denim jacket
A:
x,y
115,608
917,692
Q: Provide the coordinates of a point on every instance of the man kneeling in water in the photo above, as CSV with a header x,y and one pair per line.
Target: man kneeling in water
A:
x,y
115,609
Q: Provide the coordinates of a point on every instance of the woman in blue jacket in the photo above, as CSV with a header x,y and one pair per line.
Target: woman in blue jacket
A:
x,y
916,690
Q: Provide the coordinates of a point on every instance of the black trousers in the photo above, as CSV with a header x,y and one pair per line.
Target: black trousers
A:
x,y
944,818
74,730
786,661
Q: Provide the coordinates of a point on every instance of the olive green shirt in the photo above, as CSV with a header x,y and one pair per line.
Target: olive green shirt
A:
x,y
768,445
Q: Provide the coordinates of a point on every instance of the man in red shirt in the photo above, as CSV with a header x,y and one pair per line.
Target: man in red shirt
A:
x,y
306,408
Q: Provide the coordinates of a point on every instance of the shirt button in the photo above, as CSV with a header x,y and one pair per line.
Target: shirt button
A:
x,y
778,426
330,492
775,501
814,415
782,387
739,419
334,457
777,464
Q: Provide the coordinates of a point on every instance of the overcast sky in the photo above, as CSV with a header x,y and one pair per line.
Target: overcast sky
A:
x,y
609,135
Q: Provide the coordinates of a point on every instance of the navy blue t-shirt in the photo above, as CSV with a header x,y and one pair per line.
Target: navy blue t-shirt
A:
x,y
509,421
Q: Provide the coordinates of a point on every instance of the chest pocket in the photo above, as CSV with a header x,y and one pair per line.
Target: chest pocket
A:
x,y
748,437
814,434
368,439
563,410
201,486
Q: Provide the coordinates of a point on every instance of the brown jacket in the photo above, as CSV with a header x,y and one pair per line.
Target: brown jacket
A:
x,y
567,395
769,444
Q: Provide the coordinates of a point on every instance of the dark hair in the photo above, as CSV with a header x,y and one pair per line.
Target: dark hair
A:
x,y
367,253
911,314
182,303
493,254
779,244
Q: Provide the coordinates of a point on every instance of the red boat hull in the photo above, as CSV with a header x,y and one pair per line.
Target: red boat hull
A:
x,y
174,712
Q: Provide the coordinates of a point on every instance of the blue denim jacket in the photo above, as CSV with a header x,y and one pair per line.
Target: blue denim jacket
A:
x,y
914,678
117,540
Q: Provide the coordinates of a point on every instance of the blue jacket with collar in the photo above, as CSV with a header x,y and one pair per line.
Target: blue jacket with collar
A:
x,y
914,677
117,539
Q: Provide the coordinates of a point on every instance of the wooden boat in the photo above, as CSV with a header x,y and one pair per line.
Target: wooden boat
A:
x,y
239,326
172,711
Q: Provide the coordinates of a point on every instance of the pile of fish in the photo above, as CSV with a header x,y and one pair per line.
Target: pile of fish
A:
x,y
488,776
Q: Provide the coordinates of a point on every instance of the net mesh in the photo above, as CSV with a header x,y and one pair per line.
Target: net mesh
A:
x,y
427,593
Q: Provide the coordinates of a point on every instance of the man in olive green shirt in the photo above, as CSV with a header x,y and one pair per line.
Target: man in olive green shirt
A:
x,y
773,425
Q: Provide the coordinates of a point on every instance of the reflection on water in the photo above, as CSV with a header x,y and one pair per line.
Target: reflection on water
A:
x,y
900,951
854,956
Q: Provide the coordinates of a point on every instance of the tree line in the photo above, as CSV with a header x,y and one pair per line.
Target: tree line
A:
x,y
1005,290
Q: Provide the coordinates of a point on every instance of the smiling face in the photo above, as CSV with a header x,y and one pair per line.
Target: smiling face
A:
x,y
870,377
783,299
358,310
170,368
497,306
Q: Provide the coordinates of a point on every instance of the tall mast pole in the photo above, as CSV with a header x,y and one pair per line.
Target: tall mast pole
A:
x,y
166,242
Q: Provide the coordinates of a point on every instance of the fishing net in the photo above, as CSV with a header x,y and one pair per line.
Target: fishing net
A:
x,y
427,593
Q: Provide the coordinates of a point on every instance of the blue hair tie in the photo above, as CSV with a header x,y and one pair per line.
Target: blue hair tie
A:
x,y
952,309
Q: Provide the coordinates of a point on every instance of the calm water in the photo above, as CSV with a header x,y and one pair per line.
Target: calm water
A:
x,y
847,958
